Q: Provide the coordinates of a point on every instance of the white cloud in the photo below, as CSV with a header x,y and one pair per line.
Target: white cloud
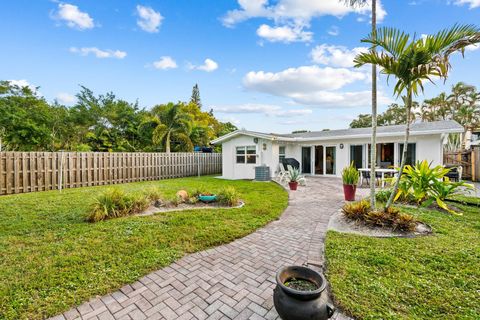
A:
x,y
301,12
338,56
301,80
284,34
102,54
471,3
336,99
334,31
149,20
165,63
472,47
74,18
66,98
22,83
208,65
266,109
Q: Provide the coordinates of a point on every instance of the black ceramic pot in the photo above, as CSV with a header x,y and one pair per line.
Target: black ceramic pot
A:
x,y
293,304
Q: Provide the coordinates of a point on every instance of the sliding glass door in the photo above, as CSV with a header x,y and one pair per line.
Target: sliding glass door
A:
x,y
307,160
319,160
356,155
330,160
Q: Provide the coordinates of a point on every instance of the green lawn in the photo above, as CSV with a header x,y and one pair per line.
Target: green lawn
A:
x,y
434,277
52,260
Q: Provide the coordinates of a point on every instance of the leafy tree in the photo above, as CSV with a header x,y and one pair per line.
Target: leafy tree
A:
x,y
196,96
173,124
412,61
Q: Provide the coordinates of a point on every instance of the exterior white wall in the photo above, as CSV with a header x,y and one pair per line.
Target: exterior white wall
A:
x,y
266,152
428,147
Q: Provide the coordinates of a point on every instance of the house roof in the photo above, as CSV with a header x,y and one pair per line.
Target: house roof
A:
x,y
418,128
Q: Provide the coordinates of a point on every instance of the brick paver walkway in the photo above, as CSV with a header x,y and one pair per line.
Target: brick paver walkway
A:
x,y
233,281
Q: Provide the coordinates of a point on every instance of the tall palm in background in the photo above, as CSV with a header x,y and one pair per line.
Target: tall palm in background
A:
x,y
413,61
373,149
171,123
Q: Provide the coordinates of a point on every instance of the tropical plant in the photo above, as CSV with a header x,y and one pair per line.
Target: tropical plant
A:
x,y
356,210
412,61
390,218
350,175
373,151
229,196
172,123
425,185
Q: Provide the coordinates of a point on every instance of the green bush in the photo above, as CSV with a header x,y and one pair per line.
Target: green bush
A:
x,y
115,203
383,195
153,194
425,185
350,175
229,196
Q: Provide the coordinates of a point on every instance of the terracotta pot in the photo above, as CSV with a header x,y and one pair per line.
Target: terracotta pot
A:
x,y
349,191
293,185
292,304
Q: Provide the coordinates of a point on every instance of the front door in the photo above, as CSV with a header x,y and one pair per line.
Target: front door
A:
x,y
307,160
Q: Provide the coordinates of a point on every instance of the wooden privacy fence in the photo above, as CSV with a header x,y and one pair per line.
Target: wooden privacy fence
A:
x,y
40,171
468,159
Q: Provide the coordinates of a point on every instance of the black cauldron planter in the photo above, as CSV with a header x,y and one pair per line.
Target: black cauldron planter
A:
x,y
293,304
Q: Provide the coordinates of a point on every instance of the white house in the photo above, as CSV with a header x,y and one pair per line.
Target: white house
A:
x,y
327,152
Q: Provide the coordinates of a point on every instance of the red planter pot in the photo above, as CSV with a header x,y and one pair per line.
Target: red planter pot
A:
x,y
293,185
349,191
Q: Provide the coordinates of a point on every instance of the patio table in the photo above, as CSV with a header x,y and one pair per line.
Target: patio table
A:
x,y
379,170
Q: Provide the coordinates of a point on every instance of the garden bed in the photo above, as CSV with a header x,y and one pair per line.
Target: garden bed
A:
x,y
154,209
338,222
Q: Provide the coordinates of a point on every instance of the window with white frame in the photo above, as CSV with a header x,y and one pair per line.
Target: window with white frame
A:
x,y
281,154
246,154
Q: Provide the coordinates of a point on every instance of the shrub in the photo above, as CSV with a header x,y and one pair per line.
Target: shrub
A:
x,y
115,203
383,195
356,210
192,200
391,217
229,196
425,185
350,175
153,194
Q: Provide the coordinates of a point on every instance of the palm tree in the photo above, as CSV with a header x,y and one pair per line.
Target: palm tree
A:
x,y
171,123
373,150
413,61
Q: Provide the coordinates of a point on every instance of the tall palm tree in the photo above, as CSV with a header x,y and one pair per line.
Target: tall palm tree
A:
x,y
171,123
373,150
413,61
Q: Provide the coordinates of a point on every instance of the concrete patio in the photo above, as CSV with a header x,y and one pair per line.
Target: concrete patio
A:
x,y
233,281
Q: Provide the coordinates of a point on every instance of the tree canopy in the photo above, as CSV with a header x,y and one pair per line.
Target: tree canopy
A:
x,y
101,123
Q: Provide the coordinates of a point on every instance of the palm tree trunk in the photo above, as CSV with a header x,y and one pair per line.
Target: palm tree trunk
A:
x,y
405,148
373,151
167,142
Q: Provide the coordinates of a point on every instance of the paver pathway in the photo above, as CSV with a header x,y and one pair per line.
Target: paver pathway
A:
x,y
232,281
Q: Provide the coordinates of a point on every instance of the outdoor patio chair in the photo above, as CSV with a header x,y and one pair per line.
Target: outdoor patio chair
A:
x,y
282,174
365,176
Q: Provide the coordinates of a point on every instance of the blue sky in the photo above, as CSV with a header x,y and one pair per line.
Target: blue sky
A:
x,y
272,66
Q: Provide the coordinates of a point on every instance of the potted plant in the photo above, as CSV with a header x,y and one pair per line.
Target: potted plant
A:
x,y
293,177
350,179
